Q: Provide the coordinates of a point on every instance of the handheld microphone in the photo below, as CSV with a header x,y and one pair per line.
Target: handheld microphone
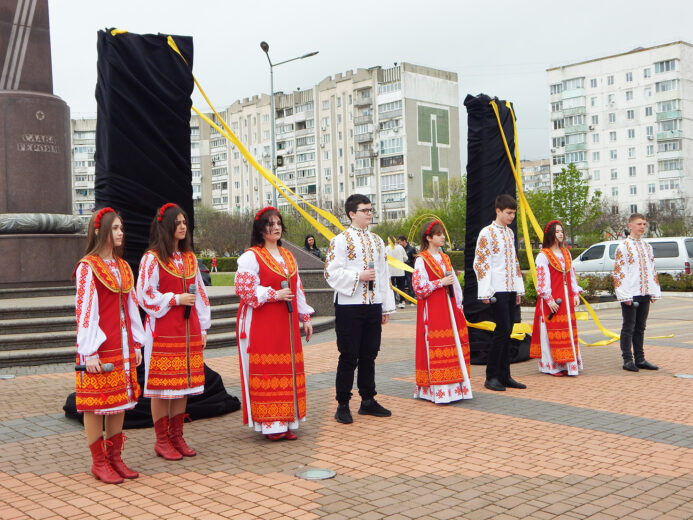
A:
x,y
371,265
493,299
451,291
285,285
106,367
636,304
192,289
558,302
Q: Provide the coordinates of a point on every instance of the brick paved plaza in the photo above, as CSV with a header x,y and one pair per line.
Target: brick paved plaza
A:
x,y
608,444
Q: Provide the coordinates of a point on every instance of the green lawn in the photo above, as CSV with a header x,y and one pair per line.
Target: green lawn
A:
x,y
222,278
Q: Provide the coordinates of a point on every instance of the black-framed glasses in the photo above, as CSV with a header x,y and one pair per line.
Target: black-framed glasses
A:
x,y
366,210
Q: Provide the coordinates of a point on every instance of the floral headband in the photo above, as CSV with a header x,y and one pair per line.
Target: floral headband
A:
x,y
430,226
268,208
100,214
163,210
546,229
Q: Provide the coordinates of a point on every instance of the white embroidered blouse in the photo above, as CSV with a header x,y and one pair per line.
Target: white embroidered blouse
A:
x,y
495,262
634,271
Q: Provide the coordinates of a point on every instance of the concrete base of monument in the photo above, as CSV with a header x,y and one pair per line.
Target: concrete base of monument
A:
x,y
39,260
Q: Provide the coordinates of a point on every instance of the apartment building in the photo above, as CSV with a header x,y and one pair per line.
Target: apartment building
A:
x,y
391,134
626,122
536,175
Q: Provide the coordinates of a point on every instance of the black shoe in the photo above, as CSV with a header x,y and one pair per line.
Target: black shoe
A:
x,y
646,365
511,383
343,414
630,366
372,407
494,384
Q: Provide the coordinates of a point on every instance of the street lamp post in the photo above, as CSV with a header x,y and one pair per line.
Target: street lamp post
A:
x,y
265,48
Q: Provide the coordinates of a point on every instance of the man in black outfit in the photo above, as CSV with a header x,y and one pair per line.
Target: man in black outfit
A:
x,y
411,253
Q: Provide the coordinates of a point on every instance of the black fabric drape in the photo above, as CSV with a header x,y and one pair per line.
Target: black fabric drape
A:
x,y
488,175
143,131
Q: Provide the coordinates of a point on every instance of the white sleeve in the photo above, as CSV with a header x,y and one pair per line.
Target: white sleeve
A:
x,y
154,303
247,282
657,293
482,266
457,288
202,307
621,278
543,277
89,335
338,277
519,281
136,327
304,310
382,276
421,284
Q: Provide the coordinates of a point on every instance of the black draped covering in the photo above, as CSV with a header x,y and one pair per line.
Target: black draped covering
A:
x,y
143,130
488,175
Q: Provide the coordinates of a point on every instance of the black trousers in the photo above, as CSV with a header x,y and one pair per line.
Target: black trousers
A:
x,y
408,283
498,364
358,330
400,283
633,329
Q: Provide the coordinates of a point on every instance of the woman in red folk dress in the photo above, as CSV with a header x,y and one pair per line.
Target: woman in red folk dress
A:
x,y
269,335
109,330
442,342
554,338
171,292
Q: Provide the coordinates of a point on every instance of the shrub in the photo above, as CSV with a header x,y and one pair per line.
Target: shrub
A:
x,y
457,260
224,263
680,283
530,296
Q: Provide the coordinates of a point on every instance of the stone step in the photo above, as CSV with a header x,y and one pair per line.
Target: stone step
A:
x,y
36,292
63,353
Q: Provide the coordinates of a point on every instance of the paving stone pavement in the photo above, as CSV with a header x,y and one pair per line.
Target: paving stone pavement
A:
x,y
606,445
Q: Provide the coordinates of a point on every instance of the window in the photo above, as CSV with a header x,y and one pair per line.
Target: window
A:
x,y
614,174
339,101
669,184
392,182
595,175
669,165
650,149
575,138
629,76
325,138
647,91
609,80
630,114
363,180
340,152
574,83
558,159
558,124
327,188
666,126
668,106
595,156
631,171
593,253
665,249
633,208
556,88
593,101
665,86
665,66
388,107
648,111
389,87
646,73
669,146
593,83
326,104
391,145
595,120
613,155
633,189
629,95
631,153
339,117
595,138
611,99
612,136
651,188
614,191
650,169
395,160
325,122
326,155
612,117
575,157
557,107
631,133
327,172
558,142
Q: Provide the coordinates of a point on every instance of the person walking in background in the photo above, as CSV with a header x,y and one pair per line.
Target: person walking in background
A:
x,y
442,341
636,285
171,292
397,278
273,303
109,330
498,274
411,253
214,264
310,246
356,268
554,336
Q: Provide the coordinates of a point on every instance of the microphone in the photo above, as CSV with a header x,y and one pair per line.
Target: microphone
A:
x,y
493,299
285,285
106,367
558,302
192,289
451,291
371,265
636,304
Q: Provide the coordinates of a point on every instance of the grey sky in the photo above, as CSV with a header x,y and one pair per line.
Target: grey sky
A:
x,y
500,48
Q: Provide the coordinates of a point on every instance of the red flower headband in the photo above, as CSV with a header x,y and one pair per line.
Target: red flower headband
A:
x,y
101,213
268,208
546,229
430,226
164,208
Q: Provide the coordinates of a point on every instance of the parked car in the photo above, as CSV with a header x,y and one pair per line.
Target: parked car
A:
x,y
673,255
204,271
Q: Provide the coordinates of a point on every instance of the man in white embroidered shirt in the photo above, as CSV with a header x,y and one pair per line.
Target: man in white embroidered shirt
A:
x,y
636,285
356,268
500,284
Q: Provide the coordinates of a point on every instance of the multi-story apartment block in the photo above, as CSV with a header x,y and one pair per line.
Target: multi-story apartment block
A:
x,y
392,134
626,121
536,175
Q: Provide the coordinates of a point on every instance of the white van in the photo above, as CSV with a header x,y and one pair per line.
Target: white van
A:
x,y
673,255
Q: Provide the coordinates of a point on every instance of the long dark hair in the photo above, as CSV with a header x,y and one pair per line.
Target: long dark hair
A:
x,y
97,241
550,235
164,227
260,225
305,244
436,229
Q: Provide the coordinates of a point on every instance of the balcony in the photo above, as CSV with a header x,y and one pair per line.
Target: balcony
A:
x,y
575,147
305,131
576,129
362,120
669,134
390,114
576,111
557,115
363,154
665,116
364,171
670,174
363,138
361,101
576,92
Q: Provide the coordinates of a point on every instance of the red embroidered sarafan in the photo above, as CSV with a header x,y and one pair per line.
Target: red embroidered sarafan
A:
x,y
108,389
277,386
557,328
440,364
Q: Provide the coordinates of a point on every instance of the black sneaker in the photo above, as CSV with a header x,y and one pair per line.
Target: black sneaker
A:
x,y
343,414
372,407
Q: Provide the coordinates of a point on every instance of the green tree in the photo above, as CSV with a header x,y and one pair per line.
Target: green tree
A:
x,y
541,203
572,203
